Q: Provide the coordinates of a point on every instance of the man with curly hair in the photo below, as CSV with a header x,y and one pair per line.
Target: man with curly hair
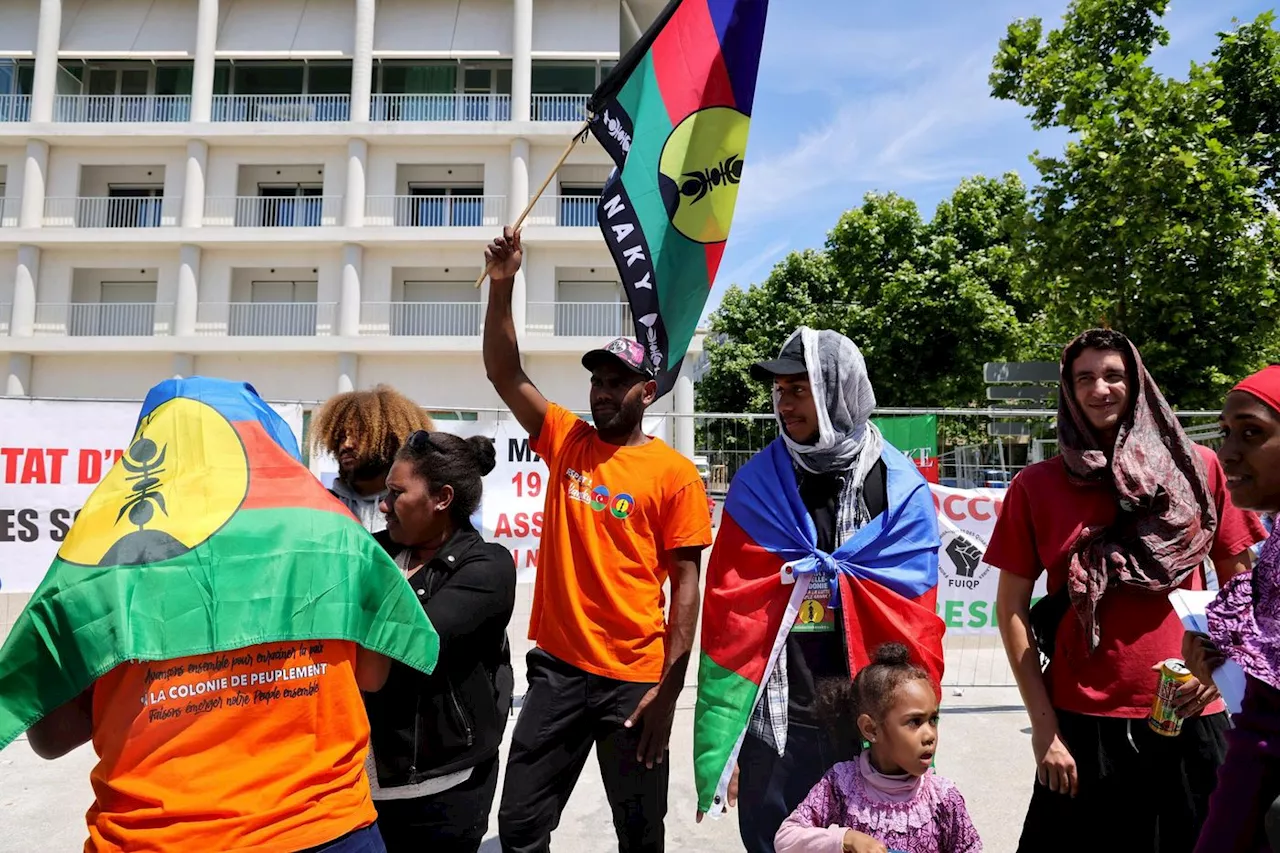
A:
x,y
363,430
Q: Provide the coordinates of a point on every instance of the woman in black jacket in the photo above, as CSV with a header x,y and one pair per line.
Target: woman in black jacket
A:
x,y
434,756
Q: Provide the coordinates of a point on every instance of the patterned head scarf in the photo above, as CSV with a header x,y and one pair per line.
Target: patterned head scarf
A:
x,y
1167,516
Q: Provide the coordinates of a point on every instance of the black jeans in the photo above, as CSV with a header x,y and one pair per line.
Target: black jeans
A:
x,y
770,786
1140,792
567,711
452,821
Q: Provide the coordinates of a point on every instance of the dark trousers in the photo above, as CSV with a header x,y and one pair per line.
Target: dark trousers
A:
x,y
770,786
1140,792
366,840
452,821
567,711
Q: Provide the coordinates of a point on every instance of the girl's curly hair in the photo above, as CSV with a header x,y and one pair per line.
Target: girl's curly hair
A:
x,y
841,701
380,420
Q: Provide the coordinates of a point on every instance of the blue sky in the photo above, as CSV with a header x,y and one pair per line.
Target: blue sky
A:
x,y
856,95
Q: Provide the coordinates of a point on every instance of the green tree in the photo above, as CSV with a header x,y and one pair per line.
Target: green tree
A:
x,y
927,302
1159,216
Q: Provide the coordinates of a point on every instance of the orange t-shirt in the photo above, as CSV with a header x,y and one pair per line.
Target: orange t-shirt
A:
x,y
611,515
260,749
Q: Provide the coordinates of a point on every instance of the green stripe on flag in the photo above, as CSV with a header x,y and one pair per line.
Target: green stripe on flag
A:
x,y
725,702
269,575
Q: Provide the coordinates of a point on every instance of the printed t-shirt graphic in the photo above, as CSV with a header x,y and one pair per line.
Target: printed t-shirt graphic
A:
x,y
208,752
611,515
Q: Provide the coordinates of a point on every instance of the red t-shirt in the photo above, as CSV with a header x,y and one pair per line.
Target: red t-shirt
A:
x,y
1041,517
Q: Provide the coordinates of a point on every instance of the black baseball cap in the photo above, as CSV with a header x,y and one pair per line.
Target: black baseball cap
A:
x,y
627,352
789,362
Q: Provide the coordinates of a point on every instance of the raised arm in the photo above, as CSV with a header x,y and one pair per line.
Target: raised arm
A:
x,y
501,352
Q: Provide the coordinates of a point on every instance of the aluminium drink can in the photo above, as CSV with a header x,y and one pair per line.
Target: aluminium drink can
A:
x,y
1164,720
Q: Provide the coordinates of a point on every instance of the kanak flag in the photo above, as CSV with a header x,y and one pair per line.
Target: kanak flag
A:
x,y
208,535
674,115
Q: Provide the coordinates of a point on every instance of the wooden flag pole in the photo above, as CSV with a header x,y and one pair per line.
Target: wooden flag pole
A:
x,y
573,143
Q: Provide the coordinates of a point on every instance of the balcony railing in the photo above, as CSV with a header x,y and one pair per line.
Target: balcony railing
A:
x,y
104,320
436,211
272,211
266,319
440,108
573,211
15,108
121,108
579,319
559,107
8,212
255,108
422,319
6,311
104,212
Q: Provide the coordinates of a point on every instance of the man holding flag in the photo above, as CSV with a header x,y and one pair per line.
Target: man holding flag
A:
x,y
624,512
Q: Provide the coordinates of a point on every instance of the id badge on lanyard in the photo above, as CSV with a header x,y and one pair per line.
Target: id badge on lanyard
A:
x,y
818,609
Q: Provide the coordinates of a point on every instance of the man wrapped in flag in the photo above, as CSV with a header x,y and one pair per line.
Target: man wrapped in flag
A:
x,y
674,116
827,549
208,623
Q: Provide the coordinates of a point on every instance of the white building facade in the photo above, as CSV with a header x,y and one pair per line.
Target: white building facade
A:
x,y
297,193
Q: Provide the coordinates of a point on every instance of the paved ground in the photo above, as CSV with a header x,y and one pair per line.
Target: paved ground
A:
x,y
984,749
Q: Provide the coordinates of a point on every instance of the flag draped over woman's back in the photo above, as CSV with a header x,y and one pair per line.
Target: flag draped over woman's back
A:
x,y
208,535
674,116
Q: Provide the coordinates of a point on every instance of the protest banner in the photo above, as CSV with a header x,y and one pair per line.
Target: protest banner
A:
x,y
53,453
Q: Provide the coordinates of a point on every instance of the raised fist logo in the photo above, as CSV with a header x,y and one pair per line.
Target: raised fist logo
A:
x,y
964,556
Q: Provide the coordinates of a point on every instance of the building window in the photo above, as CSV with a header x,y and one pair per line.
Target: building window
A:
x,y
287,205
435,206
403,78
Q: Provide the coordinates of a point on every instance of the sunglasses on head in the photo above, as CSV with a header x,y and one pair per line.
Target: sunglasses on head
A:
x,y
420,441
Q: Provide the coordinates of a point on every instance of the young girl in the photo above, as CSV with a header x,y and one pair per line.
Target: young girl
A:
x,y
888,800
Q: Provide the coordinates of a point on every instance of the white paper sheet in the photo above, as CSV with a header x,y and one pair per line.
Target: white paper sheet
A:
x,y
1190,606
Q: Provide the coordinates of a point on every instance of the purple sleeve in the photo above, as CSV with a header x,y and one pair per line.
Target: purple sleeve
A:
x,y
810,829
956,831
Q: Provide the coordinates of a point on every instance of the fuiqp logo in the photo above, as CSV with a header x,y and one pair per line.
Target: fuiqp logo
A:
x,y
599,498
622,506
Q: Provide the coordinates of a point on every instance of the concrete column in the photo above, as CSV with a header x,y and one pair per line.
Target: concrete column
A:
x,y
36,166
348,372
353,203
18,381
362,64
187,303
518,198
193,183
349,295
45,84
23,319
522,60
202,73
631,32
184,365
682,408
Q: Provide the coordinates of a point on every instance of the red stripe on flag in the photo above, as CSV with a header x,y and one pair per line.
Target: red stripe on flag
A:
x,y
687,61
276,479
875,614
715,254
738,628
